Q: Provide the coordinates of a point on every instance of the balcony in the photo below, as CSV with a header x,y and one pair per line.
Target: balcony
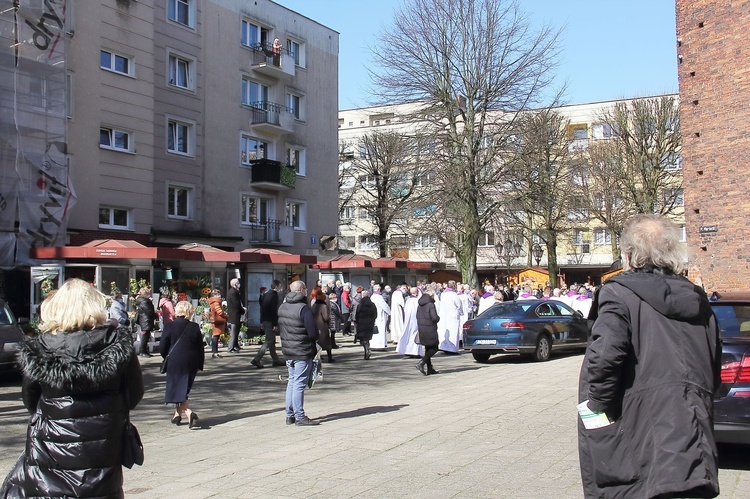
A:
x,y
271,118
272,175
272,63
271,232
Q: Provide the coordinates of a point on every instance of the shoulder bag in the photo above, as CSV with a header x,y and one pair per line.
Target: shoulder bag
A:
x,y
132,447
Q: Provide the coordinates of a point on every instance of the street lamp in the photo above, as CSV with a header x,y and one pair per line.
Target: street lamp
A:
x,y
537,251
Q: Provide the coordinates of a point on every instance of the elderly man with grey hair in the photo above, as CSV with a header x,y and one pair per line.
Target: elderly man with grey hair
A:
x,y
649,374
235,311
298,343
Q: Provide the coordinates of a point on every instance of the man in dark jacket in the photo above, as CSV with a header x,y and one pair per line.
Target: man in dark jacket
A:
x,y
235,311
145,318
649,374
298,344
269,319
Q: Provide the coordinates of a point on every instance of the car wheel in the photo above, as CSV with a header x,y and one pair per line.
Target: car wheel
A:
x,y
543,348
480,357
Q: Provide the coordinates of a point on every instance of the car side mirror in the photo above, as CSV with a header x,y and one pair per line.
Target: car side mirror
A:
x,y
577,314
23,320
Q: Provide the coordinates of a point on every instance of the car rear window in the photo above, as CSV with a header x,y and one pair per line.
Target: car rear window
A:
x,y
734,319
505,309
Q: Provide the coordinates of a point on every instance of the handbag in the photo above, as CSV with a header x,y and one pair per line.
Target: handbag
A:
x,y
132,447
164,363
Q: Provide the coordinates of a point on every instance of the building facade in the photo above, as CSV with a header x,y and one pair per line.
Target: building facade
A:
x,y
209,122
584,251
713,58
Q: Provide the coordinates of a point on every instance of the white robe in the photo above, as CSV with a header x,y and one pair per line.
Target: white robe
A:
x,y
397,315
406,344
582,303
465,307
485,303
449,327
380,340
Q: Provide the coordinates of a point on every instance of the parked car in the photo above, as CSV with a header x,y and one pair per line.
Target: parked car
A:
x,y
732,400
10,336
527,327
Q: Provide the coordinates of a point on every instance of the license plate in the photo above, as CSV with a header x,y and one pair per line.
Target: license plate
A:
x,y
486,342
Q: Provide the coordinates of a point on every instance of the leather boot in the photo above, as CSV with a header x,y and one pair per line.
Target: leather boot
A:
x,y
430,370
421,367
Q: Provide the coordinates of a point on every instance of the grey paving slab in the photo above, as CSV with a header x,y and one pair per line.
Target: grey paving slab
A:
x,y
503,429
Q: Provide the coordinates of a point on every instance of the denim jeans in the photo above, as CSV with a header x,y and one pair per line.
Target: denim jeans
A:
x,y
269,344
299,374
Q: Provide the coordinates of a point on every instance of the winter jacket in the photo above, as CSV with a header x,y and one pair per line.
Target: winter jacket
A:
x,y
652,366
75,385
366,314
335,316
166,307
118,312
269,307
217,316
234,307
346,302
320,313
297,328
356,300
145,313
427,321
185,360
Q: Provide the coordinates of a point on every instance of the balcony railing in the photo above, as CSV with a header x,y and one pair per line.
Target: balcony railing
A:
x,y
267,232
273,174
272,61
271,117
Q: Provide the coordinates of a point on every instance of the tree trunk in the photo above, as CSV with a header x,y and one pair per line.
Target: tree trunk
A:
x,y
552,266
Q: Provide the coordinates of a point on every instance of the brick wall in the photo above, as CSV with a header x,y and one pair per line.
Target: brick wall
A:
x,y
714,78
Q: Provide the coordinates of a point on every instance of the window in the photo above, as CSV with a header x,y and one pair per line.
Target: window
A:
x,y
602,236
425,179
581,240
181,72
348,213
367,181
674,197
295,156
487,239
294,105
251,34
673,162
114,218
364,213
252,149
117,140
297,51
424,241
295,214
114,62
368,242
423,211
253,92
179,201
602,131
683,234
578,209
181,11
254,210
180,137
363,152
347,242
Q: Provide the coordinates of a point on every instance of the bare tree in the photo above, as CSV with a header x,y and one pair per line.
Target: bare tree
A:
x,y
646,147
467,61
544,190
382,179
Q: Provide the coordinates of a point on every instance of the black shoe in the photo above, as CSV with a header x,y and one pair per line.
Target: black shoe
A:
x,y
335,346
257,364
420,367
430,370
331,360
177,420
193,421
290,420
306,422
278,363
234,351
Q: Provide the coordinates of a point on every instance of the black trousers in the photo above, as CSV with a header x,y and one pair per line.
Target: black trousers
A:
x,y
145,338
429,351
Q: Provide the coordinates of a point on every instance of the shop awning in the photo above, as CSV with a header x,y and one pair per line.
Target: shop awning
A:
x,y
268,255
206,253
107,249
361,261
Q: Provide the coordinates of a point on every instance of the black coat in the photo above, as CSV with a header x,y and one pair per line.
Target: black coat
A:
x,y
145,313
366,315
234,307
652,366
75,385
269,307
427,321
186,358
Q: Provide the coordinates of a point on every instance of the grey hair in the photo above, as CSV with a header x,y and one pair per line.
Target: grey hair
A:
x,y
297,286
653,240
375,288
365,293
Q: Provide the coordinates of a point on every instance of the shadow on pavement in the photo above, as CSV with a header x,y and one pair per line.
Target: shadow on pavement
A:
x,y
364,411
734,457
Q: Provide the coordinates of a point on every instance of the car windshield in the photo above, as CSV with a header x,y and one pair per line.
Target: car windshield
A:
x,y
6,316
506,309
734,319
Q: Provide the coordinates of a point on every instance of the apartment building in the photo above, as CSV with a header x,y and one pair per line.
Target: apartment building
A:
x,y
209,123
584,250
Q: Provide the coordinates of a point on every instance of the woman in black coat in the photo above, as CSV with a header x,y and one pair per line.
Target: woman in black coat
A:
x,y
427,321
182,341
80,379
145,318
365,317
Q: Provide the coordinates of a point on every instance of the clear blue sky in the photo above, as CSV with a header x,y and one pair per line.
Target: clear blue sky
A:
x,y
610,48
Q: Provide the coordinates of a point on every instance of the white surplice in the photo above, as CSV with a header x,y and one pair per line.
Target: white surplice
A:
x,y
466,307
449,327
406,344
380,340
397,315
